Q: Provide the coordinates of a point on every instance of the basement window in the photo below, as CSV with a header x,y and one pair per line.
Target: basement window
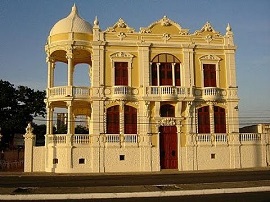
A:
x,y
81,161
122,157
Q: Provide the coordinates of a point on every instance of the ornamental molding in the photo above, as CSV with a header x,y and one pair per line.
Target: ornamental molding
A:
x,y
121,36
166,37
169,121
121,55
210,57
165,22
120,24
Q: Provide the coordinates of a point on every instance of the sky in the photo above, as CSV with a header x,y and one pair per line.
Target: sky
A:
x,y
25,25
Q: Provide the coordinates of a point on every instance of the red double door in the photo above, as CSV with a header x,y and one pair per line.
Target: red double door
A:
x,y
168,147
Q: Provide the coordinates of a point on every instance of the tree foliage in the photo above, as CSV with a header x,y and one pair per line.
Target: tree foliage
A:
x,y
18,106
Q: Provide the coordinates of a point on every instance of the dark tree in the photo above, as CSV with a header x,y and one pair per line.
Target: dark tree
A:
x,y
18,106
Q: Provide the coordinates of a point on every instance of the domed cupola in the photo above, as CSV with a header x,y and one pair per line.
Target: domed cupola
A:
x,y
72,23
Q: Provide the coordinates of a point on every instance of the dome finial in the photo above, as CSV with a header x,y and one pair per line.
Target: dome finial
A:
x,y
74,8
96,22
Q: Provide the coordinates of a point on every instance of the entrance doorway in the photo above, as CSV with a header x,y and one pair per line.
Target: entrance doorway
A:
x,y
168,147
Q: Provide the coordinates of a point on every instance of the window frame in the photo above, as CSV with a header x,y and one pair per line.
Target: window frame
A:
x,y
210,60
121,57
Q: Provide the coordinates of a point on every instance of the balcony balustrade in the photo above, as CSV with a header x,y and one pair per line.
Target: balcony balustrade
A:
x,y
167,92
210,93
69,91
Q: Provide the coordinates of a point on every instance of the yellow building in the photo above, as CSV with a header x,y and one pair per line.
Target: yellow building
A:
x,y
159,98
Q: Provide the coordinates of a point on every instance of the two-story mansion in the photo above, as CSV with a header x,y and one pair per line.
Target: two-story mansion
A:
x,y
157,98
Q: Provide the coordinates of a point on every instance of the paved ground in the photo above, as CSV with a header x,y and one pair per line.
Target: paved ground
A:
x,y
131,191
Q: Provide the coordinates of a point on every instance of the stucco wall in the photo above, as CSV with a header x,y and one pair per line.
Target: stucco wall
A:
x,y
213,157
131,162
252,156
38,159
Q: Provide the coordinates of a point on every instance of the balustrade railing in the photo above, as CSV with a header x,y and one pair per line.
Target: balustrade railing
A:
x,y
81,139
203,138
211,91
57,139
249,137
131,138
66,91
216,137
112,138
121,90
167,90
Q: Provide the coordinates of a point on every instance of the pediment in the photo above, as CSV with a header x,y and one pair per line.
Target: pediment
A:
x,y
164,25
120,26
207,29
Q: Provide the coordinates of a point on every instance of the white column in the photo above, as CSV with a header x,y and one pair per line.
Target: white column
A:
x,y
51,65
49,121
158,80
70,118
70,68
173,74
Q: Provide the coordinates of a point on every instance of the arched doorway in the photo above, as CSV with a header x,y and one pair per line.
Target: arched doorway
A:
x,y
168,147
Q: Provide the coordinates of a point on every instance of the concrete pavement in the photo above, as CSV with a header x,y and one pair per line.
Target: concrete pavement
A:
x,y
62,193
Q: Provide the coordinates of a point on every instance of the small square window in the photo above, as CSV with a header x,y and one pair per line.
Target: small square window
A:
x,y
122,157
82,161
213,156
55,161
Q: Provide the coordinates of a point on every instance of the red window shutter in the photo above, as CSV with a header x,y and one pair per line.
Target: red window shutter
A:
x,y
113,120
121,73
220,119
130,120
209,72
154,74
204,120
177,74
165,70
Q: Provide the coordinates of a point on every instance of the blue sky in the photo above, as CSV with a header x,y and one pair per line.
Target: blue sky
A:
x,y
25,25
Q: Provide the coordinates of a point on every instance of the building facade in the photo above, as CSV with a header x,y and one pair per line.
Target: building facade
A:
x,y
158,98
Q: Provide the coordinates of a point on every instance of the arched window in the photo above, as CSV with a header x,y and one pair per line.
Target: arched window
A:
x,y
130,120
204,120
113,120
167,111
220,119
165,70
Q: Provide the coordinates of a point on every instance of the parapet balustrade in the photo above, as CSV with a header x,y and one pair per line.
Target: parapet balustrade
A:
x,y
114,138
247,137
58,139
69,91
212,138
231,138
85,139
